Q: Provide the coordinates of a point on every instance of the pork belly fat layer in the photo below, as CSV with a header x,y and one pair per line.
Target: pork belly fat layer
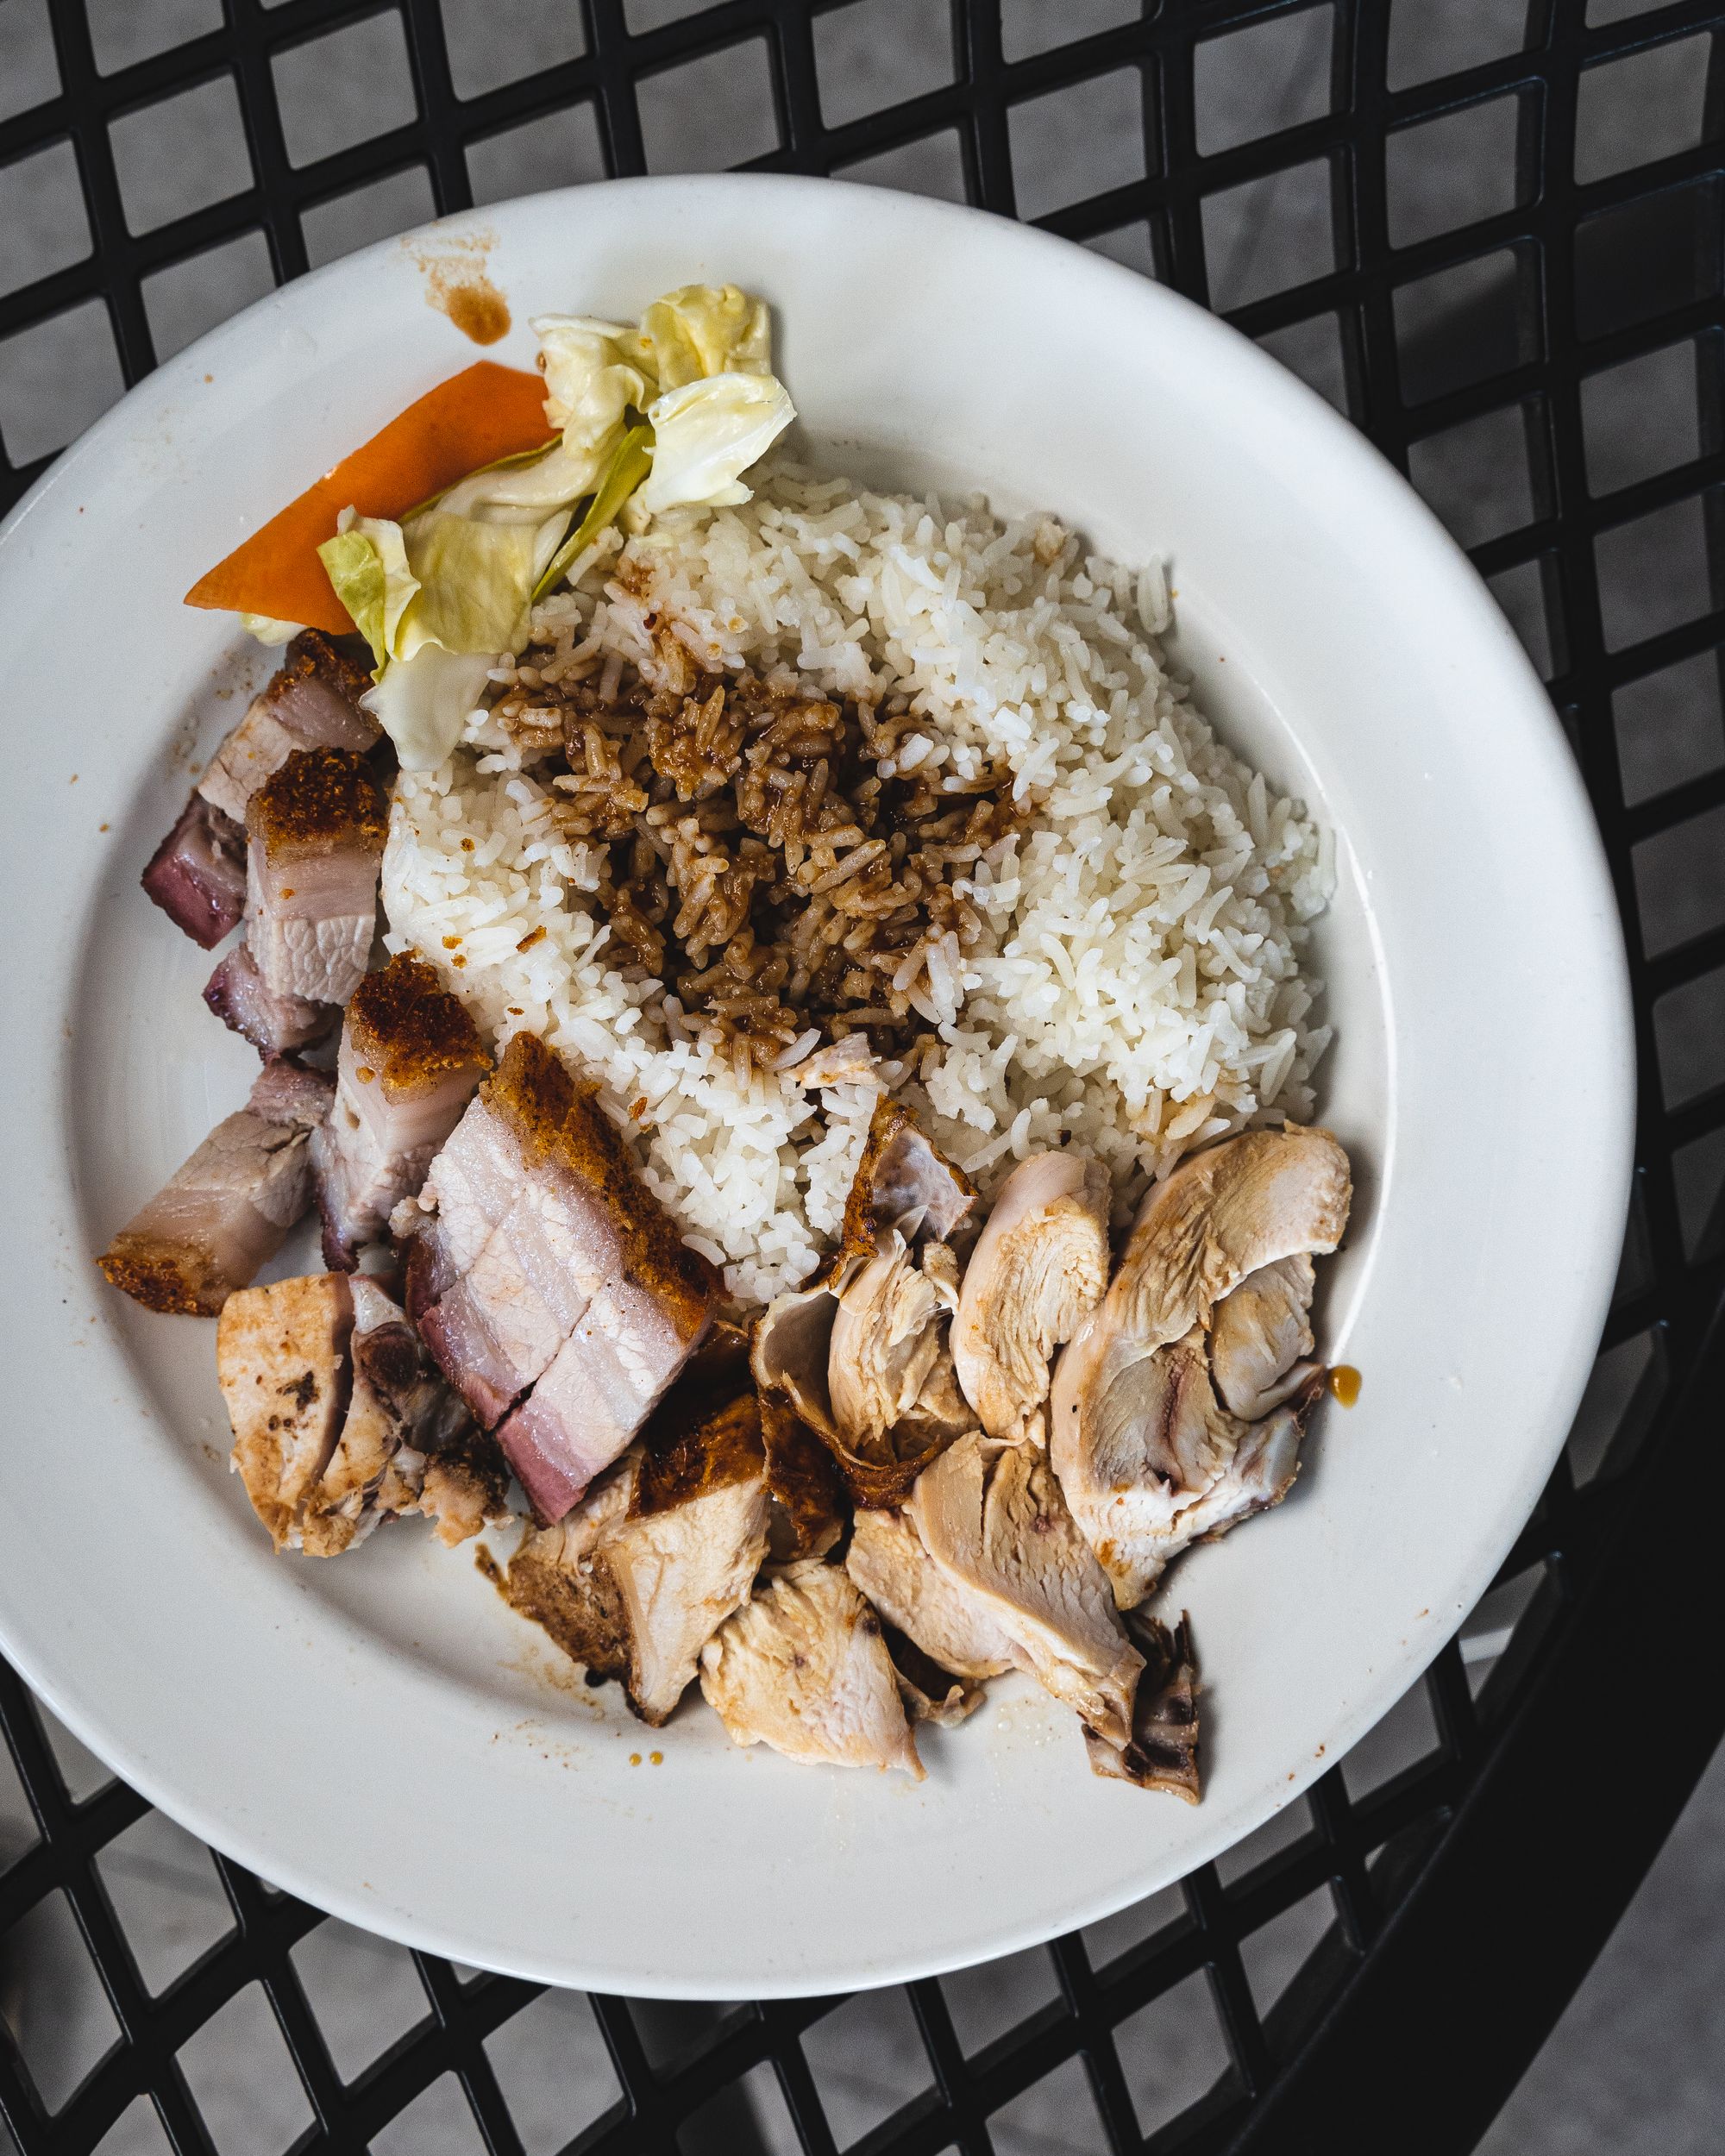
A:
x,y
316,829
275,1025
227,1210
606,1379
548,1259
198,875
410,1058
312,701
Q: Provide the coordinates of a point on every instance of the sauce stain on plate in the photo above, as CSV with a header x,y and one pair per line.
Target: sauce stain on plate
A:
x,y
457,285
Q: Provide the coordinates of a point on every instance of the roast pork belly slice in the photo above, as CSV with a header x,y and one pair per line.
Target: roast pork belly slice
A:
x,y
316,828
545,1257
638,1592
605,1379
198,875
281,1357
226,1212
274,1024
804,1667
410,1060
311,701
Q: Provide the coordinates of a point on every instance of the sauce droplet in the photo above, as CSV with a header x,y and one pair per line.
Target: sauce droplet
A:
x,y
634,1758
1344,1383
657,1758
479,310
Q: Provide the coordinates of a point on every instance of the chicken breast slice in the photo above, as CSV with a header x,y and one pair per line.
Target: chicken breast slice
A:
x,y
311,701
316,828
227,1210
886,1337
1258,1335
1039,1268
803,1667
1176,1467
410,1061
991,1516
400,1412
1137,1435
954,1627
903,1181
281,1359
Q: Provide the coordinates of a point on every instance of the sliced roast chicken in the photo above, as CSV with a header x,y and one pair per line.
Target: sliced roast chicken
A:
x,y
409,1062
226,1212
1150,1457
804,1668
198,875
1039,1268
316,829
936,1610
549,1283
993,1518
636,1580
861,1352
340,1421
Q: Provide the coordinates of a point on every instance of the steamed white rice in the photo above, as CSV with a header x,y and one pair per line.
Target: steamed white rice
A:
x,y
1138,985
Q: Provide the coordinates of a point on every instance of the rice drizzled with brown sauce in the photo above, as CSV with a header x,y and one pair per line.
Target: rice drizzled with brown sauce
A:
x,y
834,761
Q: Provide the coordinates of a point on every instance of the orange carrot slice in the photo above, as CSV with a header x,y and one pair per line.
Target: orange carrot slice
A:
x,y
486,412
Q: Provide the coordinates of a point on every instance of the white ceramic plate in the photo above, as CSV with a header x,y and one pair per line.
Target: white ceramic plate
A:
x,y
379,1734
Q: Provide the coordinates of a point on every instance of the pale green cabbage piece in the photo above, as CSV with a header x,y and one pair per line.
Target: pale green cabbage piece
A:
x,y
629,465
707,433
705,329
420,703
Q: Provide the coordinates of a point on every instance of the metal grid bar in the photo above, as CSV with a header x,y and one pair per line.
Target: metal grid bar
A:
x,y
1420,1870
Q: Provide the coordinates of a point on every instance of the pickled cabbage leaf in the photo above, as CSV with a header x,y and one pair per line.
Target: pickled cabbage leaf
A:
x,y
707,435
422,703
707,329
628,468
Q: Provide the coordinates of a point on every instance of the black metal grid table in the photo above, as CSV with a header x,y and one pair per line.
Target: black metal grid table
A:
x,y
1470,1890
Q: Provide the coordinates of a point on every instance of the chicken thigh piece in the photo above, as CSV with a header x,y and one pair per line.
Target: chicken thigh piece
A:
x,y
803,1667
1149,1458
1040,1267
993,1518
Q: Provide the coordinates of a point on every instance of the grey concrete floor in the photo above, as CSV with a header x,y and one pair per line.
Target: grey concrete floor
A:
x,y
1638,2065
